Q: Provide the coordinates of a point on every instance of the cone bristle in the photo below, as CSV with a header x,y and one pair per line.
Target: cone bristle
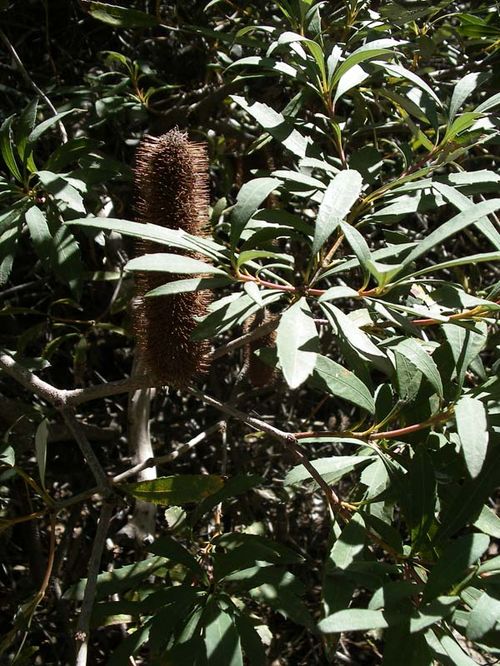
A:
x,y
172,191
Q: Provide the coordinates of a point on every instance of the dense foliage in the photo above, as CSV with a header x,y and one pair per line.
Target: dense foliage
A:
x,y
344,511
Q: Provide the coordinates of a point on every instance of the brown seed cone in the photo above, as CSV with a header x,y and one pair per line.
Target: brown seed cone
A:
x,y
172,191
259,373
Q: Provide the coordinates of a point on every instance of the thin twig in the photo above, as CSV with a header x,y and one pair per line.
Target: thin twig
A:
x,y
86,449
83,626
286,438
24,73
169,457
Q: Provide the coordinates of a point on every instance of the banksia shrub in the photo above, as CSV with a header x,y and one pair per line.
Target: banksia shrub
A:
x,y
172,191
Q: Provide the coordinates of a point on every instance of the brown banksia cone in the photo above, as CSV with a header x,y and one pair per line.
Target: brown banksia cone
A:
x,y
171,182
259,373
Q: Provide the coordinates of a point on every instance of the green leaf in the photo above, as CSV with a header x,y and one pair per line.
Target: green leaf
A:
x,y
435,611
452,227
338,292
296,341
455,652
421,496
167,547
368,51
66,258
341,193
483,617
8,247
337,380
468,501
356,619
171,263
233,487
472,429
249,198
276,124
47,124
62,190
349,80
488,522
152,232
178,489
331,469
24,126
465,345
463,89
6,148
252,644
39,232
454,563
41,436
120,17
359,245
222,640
354,335
416,354
489,103
123,578
193,284
401,72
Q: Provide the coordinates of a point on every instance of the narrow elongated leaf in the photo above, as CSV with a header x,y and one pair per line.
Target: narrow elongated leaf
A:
x,y
66,259
250,196
338,292
463,89
349,80
488,522
41,436
177,490
222,640
402,72
469,500
193,284
24,127
462,202
171,263
368,51
117,580
340,195
120,17
358,244
335,379
423,361
296,341
6,148
275,123
167,547
62,190
356,619
331,469
152,232
483,617
357,338
457,656
470,416
8,247
419,510
452,227
465,345
454,563
47,124
39,232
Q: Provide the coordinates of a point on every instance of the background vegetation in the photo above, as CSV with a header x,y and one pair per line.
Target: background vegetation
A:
x,y
345,511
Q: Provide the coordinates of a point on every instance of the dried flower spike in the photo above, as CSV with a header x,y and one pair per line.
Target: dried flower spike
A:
x,y
172,191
